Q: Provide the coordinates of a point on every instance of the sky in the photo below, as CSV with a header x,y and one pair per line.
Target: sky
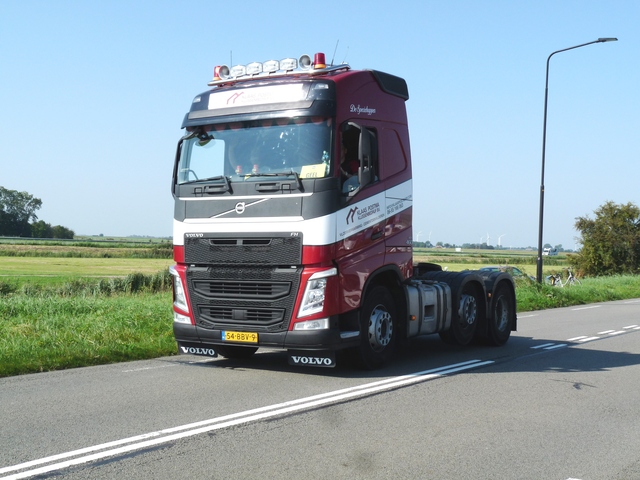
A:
x,y
93,95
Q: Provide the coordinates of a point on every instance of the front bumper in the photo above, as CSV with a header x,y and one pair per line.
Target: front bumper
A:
x,y
309,340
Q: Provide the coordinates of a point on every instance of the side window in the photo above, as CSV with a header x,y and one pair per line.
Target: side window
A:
x,y
358,157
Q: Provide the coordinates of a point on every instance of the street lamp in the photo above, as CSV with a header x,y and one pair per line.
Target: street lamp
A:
x,y
544,143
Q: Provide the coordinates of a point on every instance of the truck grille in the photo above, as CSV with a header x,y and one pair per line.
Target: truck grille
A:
x,y
256,317
245,298
243,289
279,249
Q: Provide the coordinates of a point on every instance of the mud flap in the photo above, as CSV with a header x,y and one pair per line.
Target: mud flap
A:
x,y
307,358
188,349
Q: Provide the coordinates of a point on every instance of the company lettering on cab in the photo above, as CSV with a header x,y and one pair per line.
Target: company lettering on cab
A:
x,y
358,109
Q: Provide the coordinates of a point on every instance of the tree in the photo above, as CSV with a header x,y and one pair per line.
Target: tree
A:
x,y
62,232
17,209
41,229
610,242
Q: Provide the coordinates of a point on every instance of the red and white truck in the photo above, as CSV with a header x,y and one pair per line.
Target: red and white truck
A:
x,y
293,223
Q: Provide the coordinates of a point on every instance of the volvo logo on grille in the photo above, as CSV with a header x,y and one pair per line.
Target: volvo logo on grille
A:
x,y
240,208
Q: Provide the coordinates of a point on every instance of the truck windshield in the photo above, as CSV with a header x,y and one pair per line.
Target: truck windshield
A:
x,y
242,151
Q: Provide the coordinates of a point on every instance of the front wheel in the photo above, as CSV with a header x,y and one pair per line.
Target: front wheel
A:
x,y
378,328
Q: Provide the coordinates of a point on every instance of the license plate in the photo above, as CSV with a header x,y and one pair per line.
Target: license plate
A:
x,y
244,337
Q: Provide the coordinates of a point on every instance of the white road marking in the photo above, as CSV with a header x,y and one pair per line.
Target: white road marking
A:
x,y
119,447
544,345
575,339
630,327
143,369
605,332
586,308
588,339
553,347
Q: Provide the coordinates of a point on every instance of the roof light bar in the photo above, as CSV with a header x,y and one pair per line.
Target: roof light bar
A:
x,y
304,64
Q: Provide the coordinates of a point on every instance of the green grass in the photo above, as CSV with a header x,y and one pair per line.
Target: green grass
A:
x,y
533,296
42,333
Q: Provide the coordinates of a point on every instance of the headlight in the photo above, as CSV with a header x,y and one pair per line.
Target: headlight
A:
x,y
314,294
179,294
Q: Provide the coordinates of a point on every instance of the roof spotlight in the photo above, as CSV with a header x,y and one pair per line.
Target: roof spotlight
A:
x,y
288,64
270,66
238,71
254,68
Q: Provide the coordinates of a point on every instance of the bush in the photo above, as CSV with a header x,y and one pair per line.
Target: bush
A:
x,y
610,242
6,288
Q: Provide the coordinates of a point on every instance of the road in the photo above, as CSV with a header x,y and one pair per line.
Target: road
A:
x,y
559,401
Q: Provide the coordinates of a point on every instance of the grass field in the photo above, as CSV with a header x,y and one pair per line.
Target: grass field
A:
x,y
57,270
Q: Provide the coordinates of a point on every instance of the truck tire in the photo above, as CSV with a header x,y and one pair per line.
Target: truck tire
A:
x,y
503,312
465,318
378,328
234,351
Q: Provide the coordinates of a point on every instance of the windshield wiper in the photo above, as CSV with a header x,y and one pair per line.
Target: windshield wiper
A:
x,y
208,179
279,174
223,187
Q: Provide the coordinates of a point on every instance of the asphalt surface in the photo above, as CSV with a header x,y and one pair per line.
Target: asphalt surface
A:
x,y
559,401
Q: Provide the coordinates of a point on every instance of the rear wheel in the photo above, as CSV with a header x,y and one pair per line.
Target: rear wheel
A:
x,y
235,351
378,328
465,319
503,313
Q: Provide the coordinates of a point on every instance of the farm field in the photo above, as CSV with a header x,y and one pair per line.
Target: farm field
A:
x,y
56,270
54,262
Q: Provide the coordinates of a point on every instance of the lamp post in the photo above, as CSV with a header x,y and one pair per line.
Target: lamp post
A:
x,y
544,143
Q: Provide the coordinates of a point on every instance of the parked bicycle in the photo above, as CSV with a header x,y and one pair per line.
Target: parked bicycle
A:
x,y
555,279
572,279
